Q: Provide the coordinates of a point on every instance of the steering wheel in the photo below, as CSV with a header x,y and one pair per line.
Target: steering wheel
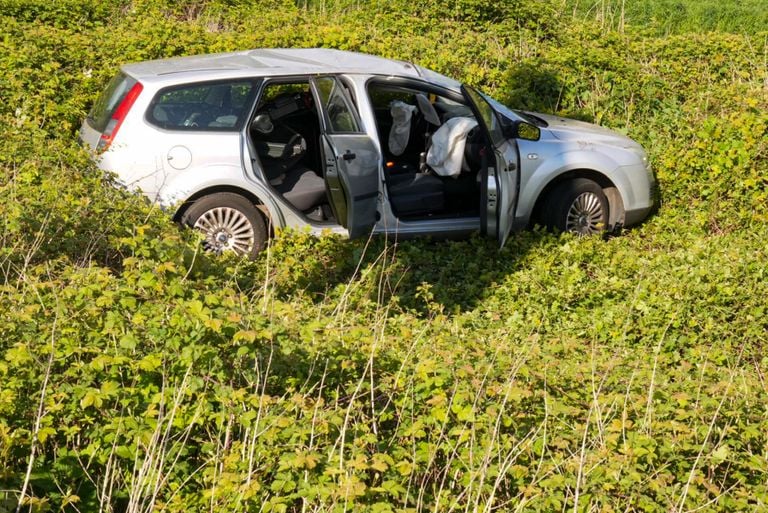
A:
x,y
295,147
192,119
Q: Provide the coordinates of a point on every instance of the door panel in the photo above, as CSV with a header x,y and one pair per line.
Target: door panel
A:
x,y
353,180
337,194
507,189
500,176
350,157
185,155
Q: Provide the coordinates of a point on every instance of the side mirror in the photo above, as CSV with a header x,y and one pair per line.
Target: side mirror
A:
x,y
522,130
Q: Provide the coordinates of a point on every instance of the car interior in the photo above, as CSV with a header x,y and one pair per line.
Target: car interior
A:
x,y
432,152
285,132
432,149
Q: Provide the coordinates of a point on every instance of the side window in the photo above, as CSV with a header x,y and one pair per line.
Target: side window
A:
x,y
488,115
277,96
340,114
209,106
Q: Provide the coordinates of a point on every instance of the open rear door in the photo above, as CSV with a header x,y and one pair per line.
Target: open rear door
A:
x,y
350,157
501,178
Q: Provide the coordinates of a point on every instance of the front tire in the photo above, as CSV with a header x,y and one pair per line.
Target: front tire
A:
x,y
229,222
578,206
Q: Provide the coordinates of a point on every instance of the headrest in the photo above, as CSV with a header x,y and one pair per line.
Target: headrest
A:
x,y
262,123
427,110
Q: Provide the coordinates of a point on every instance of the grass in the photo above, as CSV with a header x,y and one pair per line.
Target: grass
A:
x,y
673,16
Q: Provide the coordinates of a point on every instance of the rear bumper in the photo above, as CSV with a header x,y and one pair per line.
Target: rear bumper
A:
x,y
89,136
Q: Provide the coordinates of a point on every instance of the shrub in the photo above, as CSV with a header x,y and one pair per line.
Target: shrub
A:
x,y
623,374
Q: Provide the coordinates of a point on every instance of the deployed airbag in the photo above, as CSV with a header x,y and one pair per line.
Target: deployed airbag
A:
x,y
401,126
446,154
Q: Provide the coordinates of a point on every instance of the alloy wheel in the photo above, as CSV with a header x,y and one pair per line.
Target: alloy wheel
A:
x,y
226,229
585,215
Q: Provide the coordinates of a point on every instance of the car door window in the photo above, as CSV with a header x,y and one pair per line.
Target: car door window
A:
x,y
488,115
501,177
208,106
340,114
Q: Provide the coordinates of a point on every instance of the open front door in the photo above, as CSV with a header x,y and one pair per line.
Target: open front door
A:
x,y
500,178
350,158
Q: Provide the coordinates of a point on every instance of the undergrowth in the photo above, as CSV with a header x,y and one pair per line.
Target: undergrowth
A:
x,y
621,374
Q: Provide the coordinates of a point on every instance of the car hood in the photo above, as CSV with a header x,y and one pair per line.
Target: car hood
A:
x,y
572,130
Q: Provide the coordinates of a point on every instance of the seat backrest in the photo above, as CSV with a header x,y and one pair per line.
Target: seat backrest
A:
x,y
428,110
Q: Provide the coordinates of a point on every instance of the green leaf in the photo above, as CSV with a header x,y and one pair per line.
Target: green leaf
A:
x,y
128,341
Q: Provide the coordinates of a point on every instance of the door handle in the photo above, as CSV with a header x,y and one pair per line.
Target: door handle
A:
x,y
348,156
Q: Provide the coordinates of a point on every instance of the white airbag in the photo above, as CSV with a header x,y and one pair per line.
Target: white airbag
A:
x,y
401,126
446,155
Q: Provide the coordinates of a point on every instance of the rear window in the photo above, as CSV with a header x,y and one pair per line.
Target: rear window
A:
x,y
109,100
210,106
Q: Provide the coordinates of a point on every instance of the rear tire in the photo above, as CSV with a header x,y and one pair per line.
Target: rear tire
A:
x,y
229,222
578,206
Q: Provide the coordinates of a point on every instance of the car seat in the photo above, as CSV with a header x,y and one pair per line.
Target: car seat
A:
x,y
413,193
302,188
281,150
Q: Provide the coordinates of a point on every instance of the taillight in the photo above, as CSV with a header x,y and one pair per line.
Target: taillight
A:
x,y
117,118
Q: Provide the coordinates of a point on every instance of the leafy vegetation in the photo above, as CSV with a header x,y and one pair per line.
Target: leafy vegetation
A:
x,y
675,16
625,374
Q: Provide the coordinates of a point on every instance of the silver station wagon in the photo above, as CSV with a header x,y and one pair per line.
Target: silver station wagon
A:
x,y
238,144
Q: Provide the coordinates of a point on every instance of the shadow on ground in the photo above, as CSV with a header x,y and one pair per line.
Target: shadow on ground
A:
x,y
419,274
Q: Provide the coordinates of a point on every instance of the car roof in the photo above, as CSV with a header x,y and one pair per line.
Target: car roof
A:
x,y
277,61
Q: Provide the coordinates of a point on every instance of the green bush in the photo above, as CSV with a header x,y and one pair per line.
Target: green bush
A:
x,y
81,14
624,374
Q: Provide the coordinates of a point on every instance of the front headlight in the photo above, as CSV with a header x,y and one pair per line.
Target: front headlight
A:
x,y
643,157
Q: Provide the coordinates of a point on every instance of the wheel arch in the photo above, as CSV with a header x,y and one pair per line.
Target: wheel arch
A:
x,y
615,202
250,196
